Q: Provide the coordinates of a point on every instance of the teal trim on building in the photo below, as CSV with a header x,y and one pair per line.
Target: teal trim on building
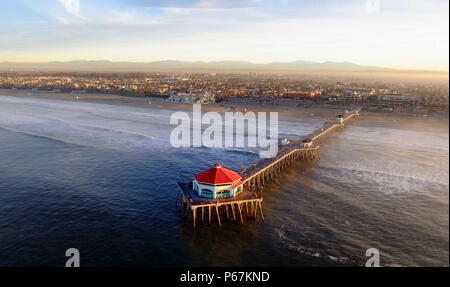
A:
x,y
216,191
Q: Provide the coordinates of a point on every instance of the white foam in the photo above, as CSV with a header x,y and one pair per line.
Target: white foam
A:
x,y
95,124
397,160
85,123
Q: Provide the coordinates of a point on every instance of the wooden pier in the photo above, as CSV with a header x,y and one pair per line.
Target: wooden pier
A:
x,y
247,204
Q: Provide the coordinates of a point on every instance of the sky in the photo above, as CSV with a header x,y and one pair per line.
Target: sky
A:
x,y
402,34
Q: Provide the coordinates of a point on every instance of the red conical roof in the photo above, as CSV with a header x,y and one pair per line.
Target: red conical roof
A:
x,y
217,175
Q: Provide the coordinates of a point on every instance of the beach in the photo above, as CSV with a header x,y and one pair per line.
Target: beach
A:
x,y
286,108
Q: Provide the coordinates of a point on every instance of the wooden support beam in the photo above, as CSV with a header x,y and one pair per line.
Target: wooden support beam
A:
x,y
240,212
183,202
194,214
187,209
218,215
203,215
260,208
232,210
209,214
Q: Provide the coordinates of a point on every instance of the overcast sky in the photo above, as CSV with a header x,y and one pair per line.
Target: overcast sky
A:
x,y
390,33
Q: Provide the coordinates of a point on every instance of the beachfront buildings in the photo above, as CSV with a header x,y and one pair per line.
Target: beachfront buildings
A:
x,y
217,182
302,94
192,98
244,89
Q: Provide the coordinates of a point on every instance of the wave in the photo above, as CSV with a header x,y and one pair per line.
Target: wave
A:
x,y
41,136
90,125
291,244
392,180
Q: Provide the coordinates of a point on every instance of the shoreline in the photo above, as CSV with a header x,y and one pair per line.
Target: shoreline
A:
x,y
287,109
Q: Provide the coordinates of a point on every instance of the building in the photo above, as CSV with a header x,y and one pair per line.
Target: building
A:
x,y
217,182
192,98
302,94
395,98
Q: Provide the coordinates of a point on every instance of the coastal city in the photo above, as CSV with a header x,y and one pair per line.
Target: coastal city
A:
x,y
250,88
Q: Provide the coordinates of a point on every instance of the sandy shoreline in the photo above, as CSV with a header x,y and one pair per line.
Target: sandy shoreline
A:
x,y
287,110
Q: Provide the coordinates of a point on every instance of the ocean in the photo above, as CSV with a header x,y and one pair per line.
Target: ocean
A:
x,y
102,178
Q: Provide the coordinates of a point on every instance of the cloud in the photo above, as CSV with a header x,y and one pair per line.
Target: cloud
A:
x,y
401,33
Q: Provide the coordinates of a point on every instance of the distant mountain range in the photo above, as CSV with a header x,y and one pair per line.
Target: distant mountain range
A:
x,y
181,66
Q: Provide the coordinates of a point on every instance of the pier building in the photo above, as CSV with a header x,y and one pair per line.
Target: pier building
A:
x,y
217,182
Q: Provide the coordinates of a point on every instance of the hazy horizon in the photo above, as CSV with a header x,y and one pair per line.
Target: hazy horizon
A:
x,y
298,66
